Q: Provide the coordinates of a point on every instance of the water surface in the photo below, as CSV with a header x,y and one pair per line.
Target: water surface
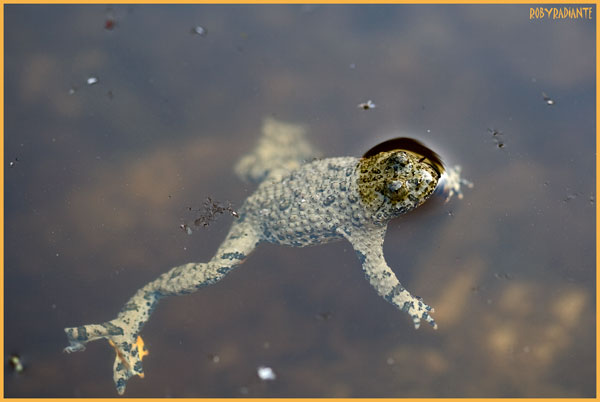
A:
x,y
99,177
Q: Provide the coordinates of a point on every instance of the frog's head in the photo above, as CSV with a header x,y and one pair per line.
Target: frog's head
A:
x,y
396,176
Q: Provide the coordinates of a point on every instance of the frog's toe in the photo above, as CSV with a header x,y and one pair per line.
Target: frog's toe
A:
x,y
421,311
427,317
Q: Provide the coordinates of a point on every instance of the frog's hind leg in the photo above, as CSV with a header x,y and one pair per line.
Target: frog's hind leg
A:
x,y
122,333
282,147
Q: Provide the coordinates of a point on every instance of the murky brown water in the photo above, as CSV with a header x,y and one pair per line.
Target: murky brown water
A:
x,y
99,177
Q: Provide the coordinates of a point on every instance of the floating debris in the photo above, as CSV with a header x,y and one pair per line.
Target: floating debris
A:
x,y
92,80
211,210
72,90
198,30
213,358
110,21
503,275
186,228
494,132
16,363
110,24
13,163
497,137
549,101
324,316
266,373
390,361
367,105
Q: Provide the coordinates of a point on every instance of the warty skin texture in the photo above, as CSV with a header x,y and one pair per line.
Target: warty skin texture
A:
x,y
295,205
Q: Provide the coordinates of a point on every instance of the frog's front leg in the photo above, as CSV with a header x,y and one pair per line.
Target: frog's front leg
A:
x,y
368,244
122,333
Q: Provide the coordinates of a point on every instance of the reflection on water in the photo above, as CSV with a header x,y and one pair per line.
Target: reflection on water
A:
x,y
100,174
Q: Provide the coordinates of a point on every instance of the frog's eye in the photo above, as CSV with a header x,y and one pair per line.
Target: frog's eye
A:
x,y
395,185
409,145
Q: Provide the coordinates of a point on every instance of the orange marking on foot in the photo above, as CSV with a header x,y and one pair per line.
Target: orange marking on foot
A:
x,y
120,355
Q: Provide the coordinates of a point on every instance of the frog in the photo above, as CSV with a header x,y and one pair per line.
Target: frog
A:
x,y
302,199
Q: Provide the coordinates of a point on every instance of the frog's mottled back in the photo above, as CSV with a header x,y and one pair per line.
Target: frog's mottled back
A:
x,y
314,203
298,203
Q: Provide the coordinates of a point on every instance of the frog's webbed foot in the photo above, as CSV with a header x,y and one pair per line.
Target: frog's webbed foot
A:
x,y
451,182
129,348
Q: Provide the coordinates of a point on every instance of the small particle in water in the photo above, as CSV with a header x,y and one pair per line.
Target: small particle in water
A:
x,y
592,199
186,228
234,214
110,24
266,373
198,30
503,275
390,361
428,130
16,363
496,136
92,80
13,163
367,105
214,358
72,90
549,101
324,316
110,94
352,66
494,132
570,197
